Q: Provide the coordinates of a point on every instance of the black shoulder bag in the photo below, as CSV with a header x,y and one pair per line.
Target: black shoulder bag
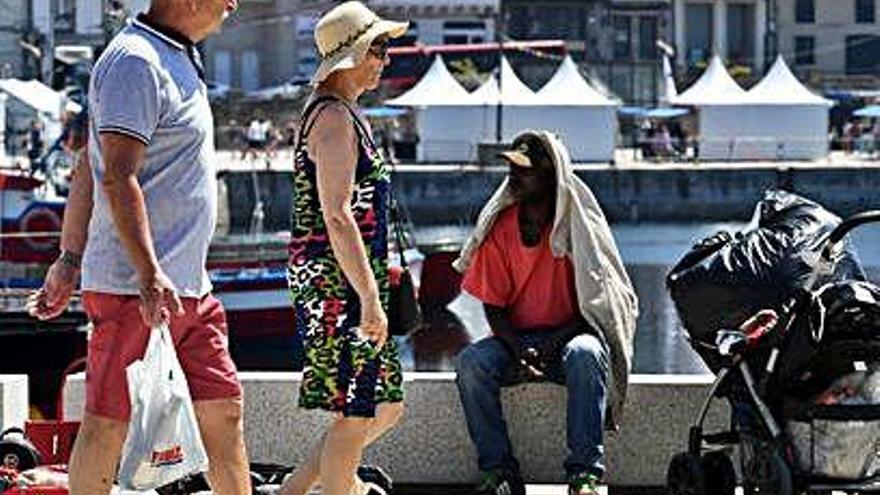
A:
x,y
404,313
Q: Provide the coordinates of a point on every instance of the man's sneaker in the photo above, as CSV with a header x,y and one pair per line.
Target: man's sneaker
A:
x,y
375,480
501,482
583,484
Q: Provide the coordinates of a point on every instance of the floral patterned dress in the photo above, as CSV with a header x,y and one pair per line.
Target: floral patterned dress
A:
x,y
342,373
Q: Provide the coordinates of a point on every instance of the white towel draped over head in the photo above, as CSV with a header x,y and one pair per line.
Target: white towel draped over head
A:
x,y
606,298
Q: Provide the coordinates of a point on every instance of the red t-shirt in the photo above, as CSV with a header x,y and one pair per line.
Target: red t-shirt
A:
x,y
535,286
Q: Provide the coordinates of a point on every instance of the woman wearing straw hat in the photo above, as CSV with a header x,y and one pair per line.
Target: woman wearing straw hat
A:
x,y
338,256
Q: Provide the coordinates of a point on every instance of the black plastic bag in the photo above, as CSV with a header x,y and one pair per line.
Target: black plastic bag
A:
x,y
833,329
727,278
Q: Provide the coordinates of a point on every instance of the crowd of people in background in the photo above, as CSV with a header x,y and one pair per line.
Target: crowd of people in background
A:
x,y
661,140
857,136
670,140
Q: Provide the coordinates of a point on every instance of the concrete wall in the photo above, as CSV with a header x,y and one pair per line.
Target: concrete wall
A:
x,y
13,401
454,195
431,445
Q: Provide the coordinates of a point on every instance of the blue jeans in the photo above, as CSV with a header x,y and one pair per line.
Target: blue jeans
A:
x,y
486,366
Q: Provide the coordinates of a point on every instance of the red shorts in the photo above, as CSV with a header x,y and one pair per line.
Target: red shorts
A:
x,y
120,337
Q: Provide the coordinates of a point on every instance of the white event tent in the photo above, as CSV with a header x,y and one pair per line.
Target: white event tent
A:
x,y
719,99
517,100
32,99
449,120
584,118
452,122
796,119
778,118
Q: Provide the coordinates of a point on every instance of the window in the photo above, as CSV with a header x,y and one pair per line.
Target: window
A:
x,y
558,22
741,33
865,11
250,70
455,39
518,22
698,32
64,6
622,37
805,11
863,54
64,16
804,50
89,16
463,31
223,67
647,38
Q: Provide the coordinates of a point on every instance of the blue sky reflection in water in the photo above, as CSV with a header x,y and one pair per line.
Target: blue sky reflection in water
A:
x,y
649,250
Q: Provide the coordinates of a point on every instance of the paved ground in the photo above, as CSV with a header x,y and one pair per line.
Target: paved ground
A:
x,y
530,490
539,490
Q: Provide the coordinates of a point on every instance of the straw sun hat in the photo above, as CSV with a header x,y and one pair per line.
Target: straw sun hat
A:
x,y
344,34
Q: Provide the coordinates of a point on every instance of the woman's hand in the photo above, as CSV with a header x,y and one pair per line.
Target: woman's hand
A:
x,y
374,322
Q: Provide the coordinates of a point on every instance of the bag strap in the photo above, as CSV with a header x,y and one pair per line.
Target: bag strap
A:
x,y
306,126
397,226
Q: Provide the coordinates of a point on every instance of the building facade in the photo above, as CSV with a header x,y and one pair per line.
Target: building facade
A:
x,y
265,43
615,41
634,72
831,42
14,19
36,35
737,31
269,42
441,22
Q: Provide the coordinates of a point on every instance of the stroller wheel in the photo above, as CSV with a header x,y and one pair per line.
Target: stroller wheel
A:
x,y
719,474
767,473
685,475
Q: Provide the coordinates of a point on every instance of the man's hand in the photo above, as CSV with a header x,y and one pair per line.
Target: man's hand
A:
x,y
159,300
52,299
374,322
533,362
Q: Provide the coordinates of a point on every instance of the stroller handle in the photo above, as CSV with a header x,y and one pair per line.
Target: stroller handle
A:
x,y
849,224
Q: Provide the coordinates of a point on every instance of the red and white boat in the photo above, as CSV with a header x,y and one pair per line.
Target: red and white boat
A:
x,y
248,272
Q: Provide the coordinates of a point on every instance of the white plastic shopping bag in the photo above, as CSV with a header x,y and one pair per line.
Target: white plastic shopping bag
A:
x,y
163,442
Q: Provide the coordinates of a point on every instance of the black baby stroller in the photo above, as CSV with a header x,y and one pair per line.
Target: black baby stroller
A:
x,y
779,370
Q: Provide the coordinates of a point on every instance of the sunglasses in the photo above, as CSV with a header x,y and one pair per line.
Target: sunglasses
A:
x,y
379,48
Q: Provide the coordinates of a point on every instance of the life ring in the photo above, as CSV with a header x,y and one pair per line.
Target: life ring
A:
x,y
40,220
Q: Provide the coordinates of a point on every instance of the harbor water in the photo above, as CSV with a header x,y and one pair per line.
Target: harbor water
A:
x,y
648,251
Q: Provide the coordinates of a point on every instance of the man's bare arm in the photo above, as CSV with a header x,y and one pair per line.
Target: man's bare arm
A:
x,y
61,279
123,157
78,210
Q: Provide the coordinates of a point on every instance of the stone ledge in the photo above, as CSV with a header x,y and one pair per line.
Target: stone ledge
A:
x,y
13,401
431,445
